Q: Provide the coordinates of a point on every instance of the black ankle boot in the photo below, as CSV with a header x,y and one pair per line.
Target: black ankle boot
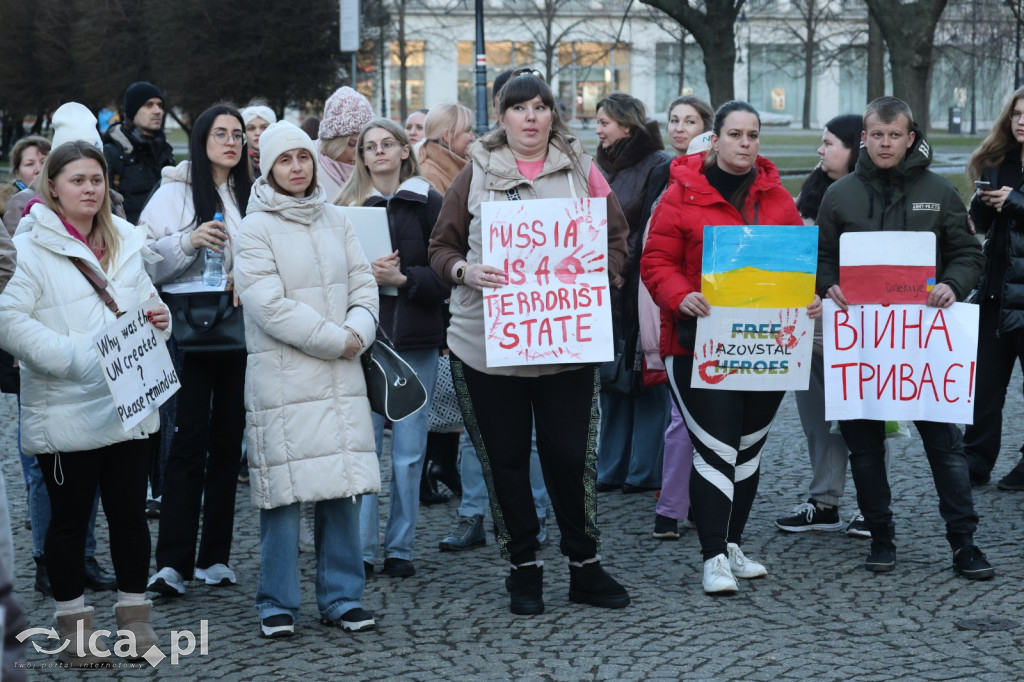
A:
x,y
589,584
525,585
442,460
42,577
429,493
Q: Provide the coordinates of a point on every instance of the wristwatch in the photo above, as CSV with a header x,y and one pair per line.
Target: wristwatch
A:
x,y
460,273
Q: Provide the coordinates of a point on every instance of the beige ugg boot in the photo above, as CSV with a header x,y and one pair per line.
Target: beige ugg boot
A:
x,y
136,618
75,628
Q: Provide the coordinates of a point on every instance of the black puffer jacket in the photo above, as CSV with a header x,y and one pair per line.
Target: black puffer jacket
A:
x,y
1003,277
414,319
908,198
134,164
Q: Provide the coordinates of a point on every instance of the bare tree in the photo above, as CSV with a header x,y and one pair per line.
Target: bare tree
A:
x,y
817,24
713,29
909,31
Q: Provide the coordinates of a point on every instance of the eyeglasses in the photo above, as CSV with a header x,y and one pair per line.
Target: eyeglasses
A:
x,y
386,144
225,138
1016,114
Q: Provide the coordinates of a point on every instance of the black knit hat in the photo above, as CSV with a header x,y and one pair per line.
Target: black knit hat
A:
x,y
138,94
499,82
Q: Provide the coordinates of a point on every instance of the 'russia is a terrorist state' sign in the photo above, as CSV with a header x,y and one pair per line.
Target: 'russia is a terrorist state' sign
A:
x,y
554,305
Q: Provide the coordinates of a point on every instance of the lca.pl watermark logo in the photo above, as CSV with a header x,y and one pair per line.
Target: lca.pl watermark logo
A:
x,y
183,643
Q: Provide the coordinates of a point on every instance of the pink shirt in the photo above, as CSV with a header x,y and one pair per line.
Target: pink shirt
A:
x,y
597,186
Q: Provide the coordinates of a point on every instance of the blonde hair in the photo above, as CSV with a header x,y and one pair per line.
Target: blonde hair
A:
x,y
334,147
442,118
360,185
104,233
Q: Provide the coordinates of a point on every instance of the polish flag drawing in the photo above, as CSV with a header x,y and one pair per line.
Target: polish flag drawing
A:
x,y
886,267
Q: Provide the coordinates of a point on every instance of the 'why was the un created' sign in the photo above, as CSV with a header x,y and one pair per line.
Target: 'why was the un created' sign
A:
x,y
554,306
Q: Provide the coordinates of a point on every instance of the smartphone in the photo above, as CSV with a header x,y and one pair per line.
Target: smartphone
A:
x,y
983,185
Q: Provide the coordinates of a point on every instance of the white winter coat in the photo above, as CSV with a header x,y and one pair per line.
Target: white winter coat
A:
x,y
302,277
49,314
169,217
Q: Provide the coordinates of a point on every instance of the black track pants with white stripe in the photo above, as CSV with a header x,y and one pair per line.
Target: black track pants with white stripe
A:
x,y
728,430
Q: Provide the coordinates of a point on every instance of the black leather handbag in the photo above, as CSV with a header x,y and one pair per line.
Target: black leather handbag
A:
x,y
393,387
206,321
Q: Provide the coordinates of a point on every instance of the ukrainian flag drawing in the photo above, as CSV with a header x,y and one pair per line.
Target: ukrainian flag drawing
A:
x,y
759,266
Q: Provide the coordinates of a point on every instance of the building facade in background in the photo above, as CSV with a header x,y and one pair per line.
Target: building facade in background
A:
x,y
589,48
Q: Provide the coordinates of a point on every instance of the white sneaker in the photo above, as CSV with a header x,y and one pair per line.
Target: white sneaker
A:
x,y
741,566
717,576
168,582
218,574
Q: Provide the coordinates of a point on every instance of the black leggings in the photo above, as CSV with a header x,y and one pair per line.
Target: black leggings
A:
x,y
500,412
728,430
120,471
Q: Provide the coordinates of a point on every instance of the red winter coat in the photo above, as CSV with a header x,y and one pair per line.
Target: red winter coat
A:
x,y
671,262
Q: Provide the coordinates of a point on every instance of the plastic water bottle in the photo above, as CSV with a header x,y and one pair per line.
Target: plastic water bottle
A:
x,y
213,273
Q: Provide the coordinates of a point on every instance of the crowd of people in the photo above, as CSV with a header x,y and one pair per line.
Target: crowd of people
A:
x,y
100,226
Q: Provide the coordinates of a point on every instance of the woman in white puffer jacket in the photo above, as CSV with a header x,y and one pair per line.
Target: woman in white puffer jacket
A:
x,y
49,314
310,303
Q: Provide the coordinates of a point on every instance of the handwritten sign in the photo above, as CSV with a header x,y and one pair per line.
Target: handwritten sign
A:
x,y
886,267
554,306
753,349
136,365
759,280
900,362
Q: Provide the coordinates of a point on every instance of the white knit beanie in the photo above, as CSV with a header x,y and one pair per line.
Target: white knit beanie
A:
x,y
346,113
72,122
699,144
258,111
281,137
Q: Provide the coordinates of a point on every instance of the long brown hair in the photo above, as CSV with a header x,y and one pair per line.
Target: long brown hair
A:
x,y
999,142
102,223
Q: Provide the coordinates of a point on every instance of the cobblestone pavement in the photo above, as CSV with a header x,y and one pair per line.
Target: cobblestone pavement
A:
x,y
817,616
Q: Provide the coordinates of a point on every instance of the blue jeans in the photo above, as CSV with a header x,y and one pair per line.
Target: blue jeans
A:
x,y
339,568
474,488
632,440
943,444
408,445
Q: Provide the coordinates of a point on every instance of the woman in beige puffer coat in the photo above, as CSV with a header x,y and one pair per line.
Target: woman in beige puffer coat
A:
x,y
310,305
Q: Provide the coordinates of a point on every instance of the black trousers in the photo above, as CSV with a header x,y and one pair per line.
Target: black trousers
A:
x,y
997,353
500,413
202,469
120,472
728,430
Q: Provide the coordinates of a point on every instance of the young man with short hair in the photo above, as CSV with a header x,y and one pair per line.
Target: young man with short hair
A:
x,y
892,189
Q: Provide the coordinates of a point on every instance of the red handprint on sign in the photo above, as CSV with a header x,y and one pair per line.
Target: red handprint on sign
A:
x,y
571,267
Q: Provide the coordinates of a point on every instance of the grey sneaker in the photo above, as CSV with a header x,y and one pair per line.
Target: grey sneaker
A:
x,y
218,574
468,534
168,582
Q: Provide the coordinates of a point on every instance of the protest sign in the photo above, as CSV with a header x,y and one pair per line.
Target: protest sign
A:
x,y
900,362
759,280
554,305
886,267
136,365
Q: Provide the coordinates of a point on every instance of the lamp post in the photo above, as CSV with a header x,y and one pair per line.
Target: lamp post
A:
x,y
974,77
481,71
744,22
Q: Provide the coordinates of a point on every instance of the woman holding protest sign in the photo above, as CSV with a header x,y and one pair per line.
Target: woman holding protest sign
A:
x,y
386,175
310,307
728,185
997,211
77,265
530,155
198,209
